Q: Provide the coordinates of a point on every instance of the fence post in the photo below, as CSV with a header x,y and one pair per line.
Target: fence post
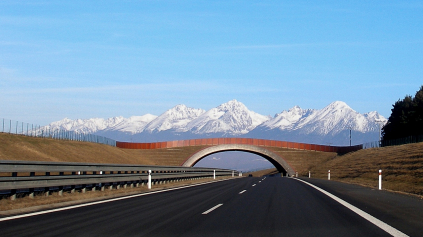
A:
x,y
380,179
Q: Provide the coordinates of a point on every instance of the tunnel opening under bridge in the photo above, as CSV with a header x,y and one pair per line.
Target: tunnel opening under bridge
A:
x,y
280,164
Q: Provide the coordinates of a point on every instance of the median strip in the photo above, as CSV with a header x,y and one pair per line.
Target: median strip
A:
x,y
212,209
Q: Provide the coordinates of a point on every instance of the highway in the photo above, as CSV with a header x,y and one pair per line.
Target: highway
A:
x,y
270,206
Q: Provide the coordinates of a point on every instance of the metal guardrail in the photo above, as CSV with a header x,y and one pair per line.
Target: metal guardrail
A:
x,y
25,176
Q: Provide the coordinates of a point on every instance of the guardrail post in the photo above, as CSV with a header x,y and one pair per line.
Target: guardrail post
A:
x,y
61,191
328,174
72,188
47,190
31,193
100,184
380,179
13,194
149,179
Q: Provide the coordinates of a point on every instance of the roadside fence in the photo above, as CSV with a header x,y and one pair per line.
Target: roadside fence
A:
x,y
401,141
34,130
394,142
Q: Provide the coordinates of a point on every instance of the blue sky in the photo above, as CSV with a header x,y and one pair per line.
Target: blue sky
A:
x,y
85,59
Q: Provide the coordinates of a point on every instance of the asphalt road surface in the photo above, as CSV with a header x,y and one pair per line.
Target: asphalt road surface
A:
x,y
271,206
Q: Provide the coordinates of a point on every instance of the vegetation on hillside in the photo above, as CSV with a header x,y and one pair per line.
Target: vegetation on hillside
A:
x,y
406,118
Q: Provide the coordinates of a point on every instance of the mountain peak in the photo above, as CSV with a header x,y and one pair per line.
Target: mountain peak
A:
x,y
231,105
175,118
179,107
338,105
232,117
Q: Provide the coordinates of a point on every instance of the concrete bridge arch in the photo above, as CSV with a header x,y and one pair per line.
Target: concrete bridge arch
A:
x,y
280,164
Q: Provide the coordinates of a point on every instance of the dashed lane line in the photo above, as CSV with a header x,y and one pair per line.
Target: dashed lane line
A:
x,y
212,209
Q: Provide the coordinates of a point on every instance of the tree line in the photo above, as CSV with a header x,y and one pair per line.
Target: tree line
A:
x,y
406,118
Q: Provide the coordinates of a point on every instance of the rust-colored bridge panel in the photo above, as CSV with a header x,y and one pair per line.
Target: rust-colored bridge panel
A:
x,y
244,141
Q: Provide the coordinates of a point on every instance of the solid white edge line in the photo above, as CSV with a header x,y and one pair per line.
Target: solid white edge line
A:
x,y
212,209
103,201
243,191
389,229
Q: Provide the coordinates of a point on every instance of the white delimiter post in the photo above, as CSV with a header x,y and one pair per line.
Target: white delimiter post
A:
x,y
214,174
328,174
309,174
233,173
149,179
380,179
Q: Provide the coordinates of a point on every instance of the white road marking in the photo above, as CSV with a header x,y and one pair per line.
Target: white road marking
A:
x,y
389,229
103,201
254,185
212,209
243,191
259,181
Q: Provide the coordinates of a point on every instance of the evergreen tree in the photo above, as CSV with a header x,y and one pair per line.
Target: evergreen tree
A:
x,y
406,118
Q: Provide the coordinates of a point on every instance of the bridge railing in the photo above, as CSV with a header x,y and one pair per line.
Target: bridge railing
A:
x,y
23,177
247,141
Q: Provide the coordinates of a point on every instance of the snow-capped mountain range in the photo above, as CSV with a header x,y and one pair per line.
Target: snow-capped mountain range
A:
x,y
330,125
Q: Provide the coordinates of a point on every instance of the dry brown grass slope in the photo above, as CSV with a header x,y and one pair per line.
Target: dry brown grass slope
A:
x,y
16,147
302,160
402,168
